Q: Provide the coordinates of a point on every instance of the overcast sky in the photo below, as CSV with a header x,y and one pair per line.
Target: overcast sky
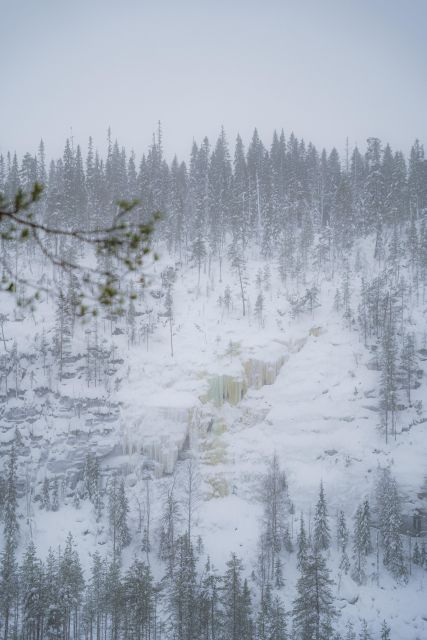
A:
x,y
325,69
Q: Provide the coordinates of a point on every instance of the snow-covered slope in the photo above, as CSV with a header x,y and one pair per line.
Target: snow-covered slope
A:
x,y
236,390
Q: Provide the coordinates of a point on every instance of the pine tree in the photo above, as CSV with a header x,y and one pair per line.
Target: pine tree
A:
x,y
220,196
2,495
385,631
63,332
54,611
342,532
259,309
118,509
344,565
13,182
79,189
388,390
114,597
313,610
416,554
264,613
209,623
169,312
55,495
321,534
350,633
139,598
94,609
8,585
342,541
277,627
32,593
68,202
45,500
302,545
423,559
388,507
278,573
234,617
416,184
199,201
374,184
11,525
408,363
361,542
275,500
245,614
192,495
183,591
256,200
364,631
92,483
240,196
287,540
169,520
71,587
238,265
227,298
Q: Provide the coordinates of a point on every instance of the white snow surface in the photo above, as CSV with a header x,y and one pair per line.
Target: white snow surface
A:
x,y
318,413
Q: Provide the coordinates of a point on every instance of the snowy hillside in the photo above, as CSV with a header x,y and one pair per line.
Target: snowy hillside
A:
x,y
203,422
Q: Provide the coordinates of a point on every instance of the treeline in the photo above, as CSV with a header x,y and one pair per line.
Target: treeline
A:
x,y
278,197
52,599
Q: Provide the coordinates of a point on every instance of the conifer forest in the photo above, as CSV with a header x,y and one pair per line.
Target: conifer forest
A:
x,y
213,389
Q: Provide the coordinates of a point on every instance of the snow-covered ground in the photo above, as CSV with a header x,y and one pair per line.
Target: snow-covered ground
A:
x,y
236,390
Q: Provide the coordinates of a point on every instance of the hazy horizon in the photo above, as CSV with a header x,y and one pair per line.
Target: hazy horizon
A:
x,y
325,71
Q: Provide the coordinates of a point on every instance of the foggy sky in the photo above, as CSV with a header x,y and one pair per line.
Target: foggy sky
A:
x,y
325,69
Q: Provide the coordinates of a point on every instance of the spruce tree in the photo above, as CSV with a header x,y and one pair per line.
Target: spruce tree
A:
x,y
302,545
264,614
350,633
364,633
55,495
8,586
71,587
45,500
259,310
321,533
275,500
416,554
408,364
183,591
114,596
342,532
209,623
235,614
362,545
388,389
54,611
94,609
139,601
277,626
313,609
390,521
240,201
385,631
169,520
32,593
11,525
118,509
238,265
